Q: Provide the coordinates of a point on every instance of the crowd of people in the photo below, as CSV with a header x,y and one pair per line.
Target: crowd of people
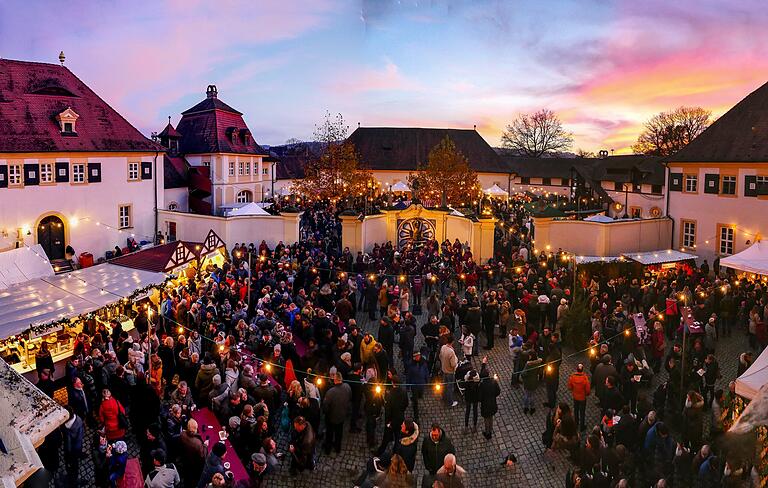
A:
x,y
290,359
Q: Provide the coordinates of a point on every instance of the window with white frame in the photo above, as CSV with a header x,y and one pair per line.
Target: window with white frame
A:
x,y
248,167
46,173
244,196
124,216
691,183
689,233
728,185
241,168
265,171
133,171
14,175
231,168
725,244
78,173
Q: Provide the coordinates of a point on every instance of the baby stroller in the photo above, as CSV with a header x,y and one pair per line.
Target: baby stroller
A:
x,y
462,368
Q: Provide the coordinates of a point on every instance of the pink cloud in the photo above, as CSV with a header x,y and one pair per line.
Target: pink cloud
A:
x,y
361,80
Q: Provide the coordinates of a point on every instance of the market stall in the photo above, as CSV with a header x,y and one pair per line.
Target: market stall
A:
x,y
654,262
747,415
55,309
753,259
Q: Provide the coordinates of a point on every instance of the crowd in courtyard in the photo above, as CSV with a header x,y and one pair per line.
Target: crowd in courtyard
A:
x,y
290,358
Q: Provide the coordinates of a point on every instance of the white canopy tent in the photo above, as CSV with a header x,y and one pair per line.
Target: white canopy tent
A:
x,y
599,218
251,208
597,259
400,186
751,380
52,298
284,191
23,264
659,257
496,191
753,259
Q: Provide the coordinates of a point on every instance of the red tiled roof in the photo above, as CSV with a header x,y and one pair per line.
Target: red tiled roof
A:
x,y
176,172
169,131
207,128
32,94
157,258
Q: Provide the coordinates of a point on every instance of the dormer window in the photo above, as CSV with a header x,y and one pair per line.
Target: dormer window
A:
x,y
67,122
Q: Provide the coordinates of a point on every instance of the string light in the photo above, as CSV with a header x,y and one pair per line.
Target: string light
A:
x,y
377,389
318,381
438,387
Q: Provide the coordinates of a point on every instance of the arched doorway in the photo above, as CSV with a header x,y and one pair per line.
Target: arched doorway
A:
x,y
50,235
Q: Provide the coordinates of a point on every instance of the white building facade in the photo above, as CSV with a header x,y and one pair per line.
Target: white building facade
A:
x,y
73,172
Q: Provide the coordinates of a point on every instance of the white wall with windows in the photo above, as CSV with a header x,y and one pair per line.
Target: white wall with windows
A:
x,y
719,208
101,200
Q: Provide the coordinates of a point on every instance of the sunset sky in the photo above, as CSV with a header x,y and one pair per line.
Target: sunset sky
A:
x,y
604,66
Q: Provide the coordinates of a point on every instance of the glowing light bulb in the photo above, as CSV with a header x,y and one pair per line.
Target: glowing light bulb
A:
x,y
627,332
549,368
181,329
319,381
592,351
268,367
438,387
221,348
377,389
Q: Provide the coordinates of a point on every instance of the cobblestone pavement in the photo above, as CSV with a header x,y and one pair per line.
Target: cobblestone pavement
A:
x,y
513,432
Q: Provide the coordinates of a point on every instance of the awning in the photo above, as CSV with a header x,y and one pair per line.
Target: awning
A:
x,y
400,186
45,300
659,257
161,259
753,259
751,380
496,191
23,264
597,259
246,209
604,219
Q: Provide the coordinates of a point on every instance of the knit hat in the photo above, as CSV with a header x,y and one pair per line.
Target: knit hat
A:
x,y
259,458
120,447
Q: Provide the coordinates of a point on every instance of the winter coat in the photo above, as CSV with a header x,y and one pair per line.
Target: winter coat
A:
x,y
472,388
433,453
473,320
408,447
417,373
336,403
204,380
578,383
448,359
489,391
531,374
73,431
366,352
213,465
108,414
395,404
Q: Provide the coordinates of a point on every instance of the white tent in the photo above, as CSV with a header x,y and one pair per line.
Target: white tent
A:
x,y
47,299
599,218
247,209
659,257
401,187
751,380
23,264
753,259
496,191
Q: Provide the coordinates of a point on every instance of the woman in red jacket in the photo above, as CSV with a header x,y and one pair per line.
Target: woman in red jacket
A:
x,y
109,416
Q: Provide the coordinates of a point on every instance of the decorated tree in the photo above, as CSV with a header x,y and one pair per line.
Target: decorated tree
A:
x,y
335,174
447,177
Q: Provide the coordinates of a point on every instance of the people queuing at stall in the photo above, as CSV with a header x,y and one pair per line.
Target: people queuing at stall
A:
x,y
289,358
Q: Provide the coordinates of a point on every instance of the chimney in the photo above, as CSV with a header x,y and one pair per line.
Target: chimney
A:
x,y
212,92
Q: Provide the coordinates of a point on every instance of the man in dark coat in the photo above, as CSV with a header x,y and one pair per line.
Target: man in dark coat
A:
x,y
302,447
73,432
434,448
335,408
407,446
489,391
386,338
395,404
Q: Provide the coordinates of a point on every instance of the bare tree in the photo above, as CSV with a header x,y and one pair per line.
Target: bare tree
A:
x,y
667,132
537,134
583,153
335,174
293,140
